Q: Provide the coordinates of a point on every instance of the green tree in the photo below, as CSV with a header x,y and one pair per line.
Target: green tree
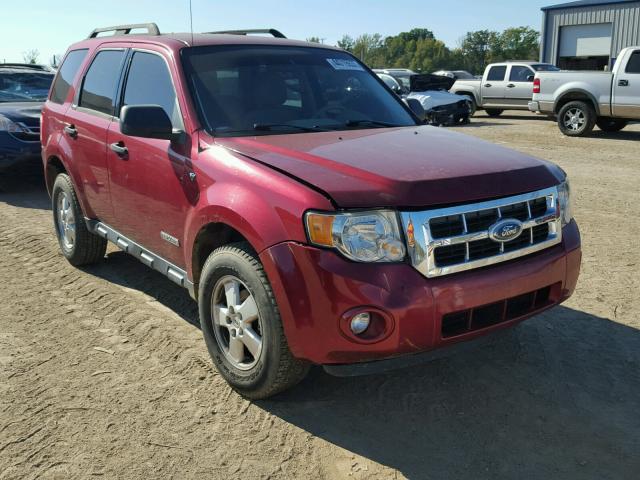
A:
x,y
346,43
31,56
520,43
476,49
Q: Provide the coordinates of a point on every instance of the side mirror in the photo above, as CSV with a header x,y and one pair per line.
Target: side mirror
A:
x,y
147,121
530,78
417,109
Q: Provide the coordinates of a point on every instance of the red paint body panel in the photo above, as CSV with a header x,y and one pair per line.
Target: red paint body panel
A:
x,y
314,287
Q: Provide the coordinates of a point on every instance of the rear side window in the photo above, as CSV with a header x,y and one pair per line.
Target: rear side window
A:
x,y
101,81
66,75
149,83
634,63
496,74
520,74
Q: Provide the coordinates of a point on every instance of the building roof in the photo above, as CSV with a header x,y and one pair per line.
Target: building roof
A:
x,y
585,3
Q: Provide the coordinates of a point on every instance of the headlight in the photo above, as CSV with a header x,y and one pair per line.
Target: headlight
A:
x,y
7,125
564,200
361,236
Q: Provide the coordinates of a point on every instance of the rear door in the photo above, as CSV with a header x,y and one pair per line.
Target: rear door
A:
x,y
151,187
494,85
626,97
519,89
87,123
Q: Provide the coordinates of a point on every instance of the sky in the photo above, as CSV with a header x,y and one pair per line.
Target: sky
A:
x,y
50,27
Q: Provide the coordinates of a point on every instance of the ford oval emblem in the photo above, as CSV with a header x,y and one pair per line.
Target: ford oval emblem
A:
x,y
505,230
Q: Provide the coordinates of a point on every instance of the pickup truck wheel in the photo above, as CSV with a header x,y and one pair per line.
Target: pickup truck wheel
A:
x,y
611,125
241,324
494,112
576,119
78,245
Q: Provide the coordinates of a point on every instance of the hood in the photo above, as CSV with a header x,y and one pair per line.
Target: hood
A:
x,y
436,98
411,167
427,81
27,113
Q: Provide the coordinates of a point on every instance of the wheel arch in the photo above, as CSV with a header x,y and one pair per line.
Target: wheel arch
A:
x,y
576,94
53,168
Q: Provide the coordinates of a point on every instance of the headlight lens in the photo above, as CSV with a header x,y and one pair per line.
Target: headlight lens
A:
x,y
7,125
564,199
361,236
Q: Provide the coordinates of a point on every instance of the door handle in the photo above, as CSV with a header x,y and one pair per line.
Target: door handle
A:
x,y
119,148
623,83
488,85
511,85
70,130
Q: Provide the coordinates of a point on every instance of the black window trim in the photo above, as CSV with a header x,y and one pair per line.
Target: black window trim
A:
x,y
76,101
73,80
125,76
626,68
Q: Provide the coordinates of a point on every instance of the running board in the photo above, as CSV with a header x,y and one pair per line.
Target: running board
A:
x,y
150,259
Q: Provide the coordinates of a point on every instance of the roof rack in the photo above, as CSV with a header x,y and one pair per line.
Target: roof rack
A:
x,y
270,31
30,66
152,29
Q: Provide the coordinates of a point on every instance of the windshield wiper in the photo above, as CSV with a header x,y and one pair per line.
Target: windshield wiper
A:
x,y
373,123
267,127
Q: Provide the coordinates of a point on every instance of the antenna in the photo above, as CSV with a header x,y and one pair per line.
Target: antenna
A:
x,y
191,21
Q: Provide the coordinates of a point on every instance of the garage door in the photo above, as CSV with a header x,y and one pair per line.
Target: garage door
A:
x,y
585,40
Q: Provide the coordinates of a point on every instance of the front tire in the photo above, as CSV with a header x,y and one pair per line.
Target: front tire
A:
x,y
78,245
611,125
576,119
494,112
241,324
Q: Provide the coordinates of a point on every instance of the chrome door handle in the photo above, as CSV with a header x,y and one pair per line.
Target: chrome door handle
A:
x,y
70,130
119,148
511,85
488,85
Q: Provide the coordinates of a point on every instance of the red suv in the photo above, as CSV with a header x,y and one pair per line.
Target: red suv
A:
x,y
300,201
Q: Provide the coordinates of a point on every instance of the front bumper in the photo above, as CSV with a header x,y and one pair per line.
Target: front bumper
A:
x,y
314,288
13,150
449,114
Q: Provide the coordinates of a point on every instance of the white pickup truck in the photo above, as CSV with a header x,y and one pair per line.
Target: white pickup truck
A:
x,y
504,86
582,100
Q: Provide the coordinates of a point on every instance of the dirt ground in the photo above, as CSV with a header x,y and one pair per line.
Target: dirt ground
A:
x,y
104,373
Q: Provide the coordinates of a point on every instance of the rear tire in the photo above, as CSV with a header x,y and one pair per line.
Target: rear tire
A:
x,y
241,324
576,119
611,125
78,245
494,112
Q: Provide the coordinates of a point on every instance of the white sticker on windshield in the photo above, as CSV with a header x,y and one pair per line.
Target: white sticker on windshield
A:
x,y
344,64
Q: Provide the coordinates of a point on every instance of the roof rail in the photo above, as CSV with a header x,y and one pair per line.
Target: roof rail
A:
x,y
152,29
270,31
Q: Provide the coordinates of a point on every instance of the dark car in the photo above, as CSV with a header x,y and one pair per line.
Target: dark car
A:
x,y
305,207
23,90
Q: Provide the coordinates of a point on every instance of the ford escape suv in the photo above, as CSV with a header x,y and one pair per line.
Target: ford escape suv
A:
x,y
303,204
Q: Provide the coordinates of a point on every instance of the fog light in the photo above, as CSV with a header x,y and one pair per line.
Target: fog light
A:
x,y
360,323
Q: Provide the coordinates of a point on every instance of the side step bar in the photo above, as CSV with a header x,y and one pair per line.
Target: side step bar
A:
x,y
150,259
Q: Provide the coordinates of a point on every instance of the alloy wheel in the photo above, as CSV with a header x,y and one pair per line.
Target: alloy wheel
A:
x,y
574,119
66,221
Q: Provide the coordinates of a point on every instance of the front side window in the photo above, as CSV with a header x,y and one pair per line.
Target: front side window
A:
x,y
520,74
18,85
496,74
149,83
101,82
634,63
66,74
260,89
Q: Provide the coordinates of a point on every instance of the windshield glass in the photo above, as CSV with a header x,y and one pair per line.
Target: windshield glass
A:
x,y
262,89
24,86
543,67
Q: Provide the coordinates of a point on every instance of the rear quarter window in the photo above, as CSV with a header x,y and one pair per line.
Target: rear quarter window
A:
x,y
101,82
66,74
496,74
634,63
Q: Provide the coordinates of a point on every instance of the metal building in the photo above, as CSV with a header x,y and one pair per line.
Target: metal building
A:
x,y
588,34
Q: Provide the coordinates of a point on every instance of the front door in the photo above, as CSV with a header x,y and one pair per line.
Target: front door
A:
x,y
151,190
626,91
519,89
493,86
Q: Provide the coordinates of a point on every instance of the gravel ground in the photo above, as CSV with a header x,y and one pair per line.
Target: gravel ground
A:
x,y
103,371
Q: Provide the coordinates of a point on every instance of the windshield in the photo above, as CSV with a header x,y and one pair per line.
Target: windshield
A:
x,y
24,86
262,89
545,67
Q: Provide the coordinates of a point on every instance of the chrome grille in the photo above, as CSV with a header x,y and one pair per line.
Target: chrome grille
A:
x,y
455,239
